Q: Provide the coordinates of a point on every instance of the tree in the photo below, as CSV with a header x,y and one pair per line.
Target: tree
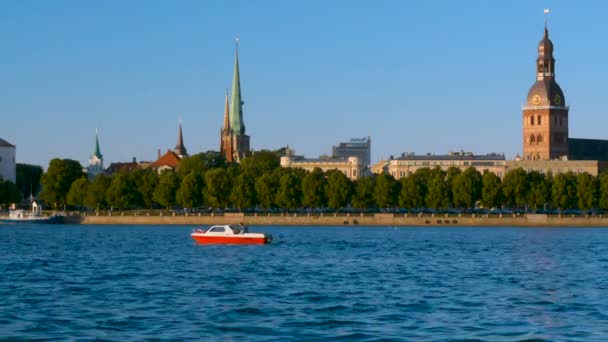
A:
x,y
28,179
515,187
339,189
386,190
200,163
164,194
9,193
586,191
289,194
451,176
190,192
437,194
265,190
563,192
78,192
466,188
412,192
217,188
58,179
259,163
120,192
364,193
313,189
491,190
146,181
539,193
96,192
603,190
243,192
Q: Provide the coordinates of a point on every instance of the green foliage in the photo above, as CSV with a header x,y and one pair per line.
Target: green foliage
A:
x,y
120,192
603,190
515,187
364,193
96,193
190,192
200,163
466,188
491,190
28,179
145,183
586,191
9,193
438,191
539,193
289,194
243,192
78,192
265,188
164,194
217,188
58,179
313,189
339,190
386,191
259,163
451,176
563,192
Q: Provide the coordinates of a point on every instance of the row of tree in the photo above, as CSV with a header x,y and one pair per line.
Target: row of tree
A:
x,y
206,180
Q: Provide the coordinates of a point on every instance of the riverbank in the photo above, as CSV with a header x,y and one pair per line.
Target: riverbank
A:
x,y
528,220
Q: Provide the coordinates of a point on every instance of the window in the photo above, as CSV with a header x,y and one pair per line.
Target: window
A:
x,y
532,120
217,230
539,138
538,119
532,139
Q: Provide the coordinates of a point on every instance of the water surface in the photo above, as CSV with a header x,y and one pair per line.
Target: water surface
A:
x,y
313,283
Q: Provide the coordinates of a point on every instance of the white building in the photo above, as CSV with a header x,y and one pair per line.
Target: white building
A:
x,y
96,161
352,167
8,168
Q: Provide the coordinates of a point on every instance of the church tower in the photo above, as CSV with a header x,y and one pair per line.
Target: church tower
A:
x,y
180,149
545,114
234,142
95,166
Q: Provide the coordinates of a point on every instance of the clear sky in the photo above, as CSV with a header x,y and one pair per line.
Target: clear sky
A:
x,y
416,76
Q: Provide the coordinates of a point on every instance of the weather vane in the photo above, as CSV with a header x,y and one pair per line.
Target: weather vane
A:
x,y
546,11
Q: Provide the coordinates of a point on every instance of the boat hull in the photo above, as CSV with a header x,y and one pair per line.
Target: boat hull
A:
x,y
232,240
45,220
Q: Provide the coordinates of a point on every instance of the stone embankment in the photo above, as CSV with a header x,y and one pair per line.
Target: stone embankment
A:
x,y
352,220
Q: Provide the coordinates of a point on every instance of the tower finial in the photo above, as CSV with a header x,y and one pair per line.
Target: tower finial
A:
x,y
546,11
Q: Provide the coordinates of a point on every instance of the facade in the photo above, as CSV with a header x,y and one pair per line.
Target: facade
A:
x,y
545,115
8,166
557,166
234,143
408,164
360,148
352,167
95,166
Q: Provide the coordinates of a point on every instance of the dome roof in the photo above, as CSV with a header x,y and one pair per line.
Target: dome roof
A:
x,y
544,93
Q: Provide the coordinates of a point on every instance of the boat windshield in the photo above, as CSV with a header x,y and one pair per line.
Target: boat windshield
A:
x,y
240,229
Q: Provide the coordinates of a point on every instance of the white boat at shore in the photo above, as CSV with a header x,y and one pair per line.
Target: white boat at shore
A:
x,y
33,216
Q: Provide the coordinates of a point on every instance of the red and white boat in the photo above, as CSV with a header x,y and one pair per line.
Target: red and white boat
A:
x,y
229,234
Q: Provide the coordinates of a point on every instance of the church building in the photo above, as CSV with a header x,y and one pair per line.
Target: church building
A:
x,y
95,166
234,143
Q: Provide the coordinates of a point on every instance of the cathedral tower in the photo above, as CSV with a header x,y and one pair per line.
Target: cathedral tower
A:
x,y
234,142
545,114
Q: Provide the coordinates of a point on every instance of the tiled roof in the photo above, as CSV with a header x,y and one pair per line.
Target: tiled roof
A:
x,y
168,159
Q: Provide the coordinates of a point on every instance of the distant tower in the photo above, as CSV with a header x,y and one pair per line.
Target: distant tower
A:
x,y
234,128
180,149
96,161
545,115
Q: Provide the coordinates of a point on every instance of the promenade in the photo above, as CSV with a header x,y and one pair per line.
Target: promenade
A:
x,y
351,220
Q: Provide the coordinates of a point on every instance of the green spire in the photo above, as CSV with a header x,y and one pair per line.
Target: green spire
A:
x,y
97,152
236,114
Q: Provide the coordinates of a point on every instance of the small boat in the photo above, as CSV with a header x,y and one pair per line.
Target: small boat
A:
x,y
229,234
35,216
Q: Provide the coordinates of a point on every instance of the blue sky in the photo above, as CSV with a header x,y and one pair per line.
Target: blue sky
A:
x,y
416,76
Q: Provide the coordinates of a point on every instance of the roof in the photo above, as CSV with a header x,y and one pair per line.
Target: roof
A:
x,y
122,167
4,143
455,156
587,149
170,159
549,94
